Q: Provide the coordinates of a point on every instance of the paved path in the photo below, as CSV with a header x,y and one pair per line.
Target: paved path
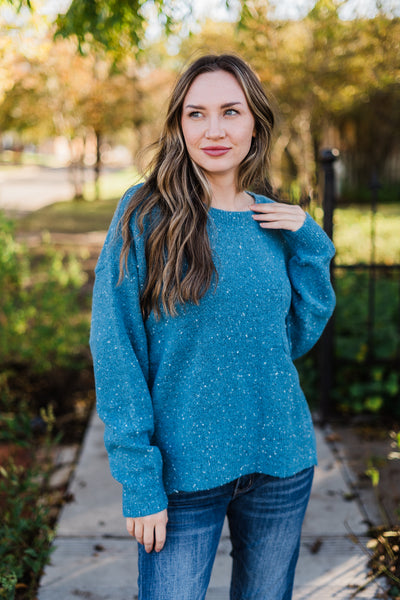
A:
x,y
95,559
24,189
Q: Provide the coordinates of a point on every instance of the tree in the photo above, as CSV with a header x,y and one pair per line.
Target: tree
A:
x,y
62,93
117,26
330,76
89,94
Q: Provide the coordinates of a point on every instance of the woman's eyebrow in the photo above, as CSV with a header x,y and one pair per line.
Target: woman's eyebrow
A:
x,y
230,104
198,107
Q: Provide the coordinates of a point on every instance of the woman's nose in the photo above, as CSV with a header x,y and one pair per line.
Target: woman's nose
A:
x,y
214,130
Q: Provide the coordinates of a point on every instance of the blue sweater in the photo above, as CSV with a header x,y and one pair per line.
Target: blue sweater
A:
x,y
194,401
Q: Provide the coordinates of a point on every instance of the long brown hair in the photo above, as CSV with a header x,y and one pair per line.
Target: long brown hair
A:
x,y
176,196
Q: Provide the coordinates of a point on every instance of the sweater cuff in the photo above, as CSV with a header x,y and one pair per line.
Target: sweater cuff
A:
x,y
152,501
310,237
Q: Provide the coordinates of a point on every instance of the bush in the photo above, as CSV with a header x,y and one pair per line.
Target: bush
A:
x,y
389,193
25,532
351,316
44,324
366,377
26,529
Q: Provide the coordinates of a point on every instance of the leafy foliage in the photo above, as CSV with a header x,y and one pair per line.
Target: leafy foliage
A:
x,y
44,324
366,376
26,531
352,316
18,4
117,25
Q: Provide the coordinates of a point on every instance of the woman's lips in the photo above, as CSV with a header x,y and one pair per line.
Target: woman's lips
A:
x,y
215,150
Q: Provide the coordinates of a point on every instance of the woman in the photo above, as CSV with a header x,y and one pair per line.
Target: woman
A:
x,y
205,292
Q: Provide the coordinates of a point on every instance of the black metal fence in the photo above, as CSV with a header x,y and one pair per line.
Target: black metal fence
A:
x,y
331,364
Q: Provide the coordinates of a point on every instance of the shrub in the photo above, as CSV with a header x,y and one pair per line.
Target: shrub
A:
x,y
25,532
366,377
43,322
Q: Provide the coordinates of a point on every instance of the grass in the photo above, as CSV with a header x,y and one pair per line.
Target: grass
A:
x,y
70,217
352,234
112,185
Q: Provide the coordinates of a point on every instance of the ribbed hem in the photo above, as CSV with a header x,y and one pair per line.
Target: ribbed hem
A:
x,y
148,503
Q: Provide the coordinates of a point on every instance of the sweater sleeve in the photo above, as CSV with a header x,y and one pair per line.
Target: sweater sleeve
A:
x,y
119,348
309,255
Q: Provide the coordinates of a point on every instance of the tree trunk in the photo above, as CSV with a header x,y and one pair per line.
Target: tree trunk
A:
x,y
305,154
97,166
75,175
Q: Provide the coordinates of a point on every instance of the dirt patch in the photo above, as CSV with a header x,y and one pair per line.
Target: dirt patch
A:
x,y
70,393
19,455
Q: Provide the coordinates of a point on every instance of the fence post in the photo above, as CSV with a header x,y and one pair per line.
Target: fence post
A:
x,y
375,186
326,345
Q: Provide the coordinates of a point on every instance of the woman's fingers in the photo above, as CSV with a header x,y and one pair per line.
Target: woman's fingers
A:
x,y
278,216
160,535
160,530
148,537
150,531
130,526
139,530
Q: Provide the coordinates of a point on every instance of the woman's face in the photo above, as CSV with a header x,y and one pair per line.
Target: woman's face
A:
x,y
217,123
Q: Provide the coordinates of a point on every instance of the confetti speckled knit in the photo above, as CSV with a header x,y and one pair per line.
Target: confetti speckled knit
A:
x,y
194,401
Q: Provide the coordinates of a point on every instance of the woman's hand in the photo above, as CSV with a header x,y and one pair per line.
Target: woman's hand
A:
x,y
149,530
273,215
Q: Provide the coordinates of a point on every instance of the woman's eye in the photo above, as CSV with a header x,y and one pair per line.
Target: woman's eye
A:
x,y
195,114
231,111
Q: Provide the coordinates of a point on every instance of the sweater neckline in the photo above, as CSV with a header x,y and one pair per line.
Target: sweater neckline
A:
x,y
233,213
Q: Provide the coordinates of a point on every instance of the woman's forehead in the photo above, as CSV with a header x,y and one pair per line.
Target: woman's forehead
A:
x,y
217,87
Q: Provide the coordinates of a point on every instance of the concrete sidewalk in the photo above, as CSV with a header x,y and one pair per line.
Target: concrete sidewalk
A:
x,y
95,559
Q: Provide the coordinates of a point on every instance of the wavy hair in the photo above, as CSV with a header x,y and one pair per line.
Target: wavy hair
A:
x,y
176,196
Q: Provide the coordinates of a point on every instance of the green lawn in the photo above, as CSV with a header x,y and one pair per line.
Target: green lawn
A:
x,y
70,217
352,227
112,185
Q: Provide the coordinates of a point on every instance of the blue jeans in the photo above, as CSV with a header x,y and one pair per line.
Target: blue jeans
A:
x,y
265,517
